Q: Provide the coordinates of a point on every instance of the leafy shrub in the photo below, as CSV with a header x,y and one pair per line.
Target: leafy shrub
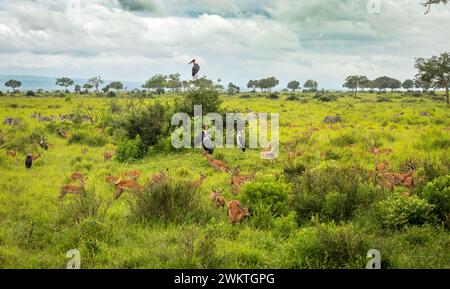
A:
x,y
77,208
397,212
273,96
345,139
111,94
332,192
244,96
383,99
207,97
292,97
171,200
327,98
434,139
294,170
30,93
266,195
326,247
437,193
87,138
149,123
131,149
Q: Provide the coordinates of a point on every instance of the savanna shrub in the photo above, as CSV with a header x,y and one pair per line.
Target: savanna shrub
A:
x,y
273,96
345,139
170,200
396,212
292,97
87,138
266,195
77,208
434,139
131,149
327,98
207,97
326,247
149,123
332,192
437,193
293,170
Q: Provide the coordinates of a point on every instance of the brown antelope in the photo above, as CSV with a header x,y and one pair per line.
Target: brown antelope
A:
x,y
71,189
381,167
216,198
216,163
236,212
373,150
197,184
237,180
11,153
77,176
158,178
386,151
133,175
35,156
126,185
400,179
108,155
112,179
293,155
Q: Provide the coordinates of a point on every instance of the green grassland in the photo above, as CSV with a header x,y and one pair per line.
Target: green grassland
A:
x,y
330,214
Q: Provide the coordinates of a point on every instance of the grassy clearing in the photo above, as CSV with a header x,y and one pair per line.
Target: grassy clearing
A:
x,y
328,219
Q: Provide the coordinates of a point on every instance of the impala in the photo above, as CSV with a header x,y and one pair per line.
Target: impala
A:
x,y
11,153
133,175
112,179
216,198
108,155
216,163
236,212
389,180
126,185
77,176
196,184
237,180
71,189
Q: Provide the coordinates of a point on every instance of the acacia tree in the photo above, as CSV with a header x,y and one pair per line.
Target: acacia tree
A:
x,y
436,71
408,84
294,85
394,84
13,84
116,85
429,3
156,82
65,82
311,85
253,84
87,86
96,82
354,82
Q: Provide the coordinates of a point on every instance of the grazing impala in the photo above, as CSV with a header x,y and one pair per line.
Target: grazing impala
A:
x,y
293,155
126,185
108,155
216,198
237,180
236,212
112,179
71,189
216,163
35,156
77,176
133,175
389,180
196,184
11,153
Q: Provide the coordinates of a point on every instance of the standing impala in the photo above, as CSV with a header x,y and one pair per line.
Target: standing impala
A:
x,y
126,185
216,163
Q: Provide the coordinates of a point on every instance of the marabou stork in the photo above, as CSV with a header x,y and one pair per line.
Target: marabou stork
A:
x,y
241,140
29,160
195,68
207,143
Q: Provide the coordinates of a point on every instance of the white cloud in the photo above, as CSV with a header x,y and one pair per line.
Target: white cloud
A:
x,y
234,40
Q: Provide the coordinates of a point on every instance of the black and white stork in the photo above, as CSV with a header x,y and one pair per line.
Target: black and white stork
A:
x,y
195,68
207,143
29,160
241,140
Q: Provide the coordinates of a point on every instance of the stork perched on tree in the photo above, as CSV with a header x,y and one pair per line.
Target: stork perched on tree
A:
x,y
241,140
195,68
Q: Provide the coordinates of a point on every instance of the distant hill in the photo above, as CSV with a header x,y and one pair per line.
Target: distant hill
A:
x,y
30,82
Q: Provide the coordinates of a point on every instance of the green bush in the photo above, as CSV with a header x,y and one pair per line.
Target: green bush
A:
x,y
129,150
437,193
169,201
326,247
149,123
332,192
87,138
266,195
207,97
397,212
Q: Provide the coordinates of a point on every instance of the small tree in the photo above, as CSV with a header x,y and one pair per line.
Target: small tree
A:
x,y
116,85
436,71
294,85
156,82
394,84
96,82
311,85
174,82
408,84
65,82
77,88
13,84
87,86
253,84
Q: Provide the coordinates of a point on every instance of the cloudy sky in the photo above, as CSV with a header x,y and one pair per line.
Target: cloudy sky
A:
x,y
235,40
